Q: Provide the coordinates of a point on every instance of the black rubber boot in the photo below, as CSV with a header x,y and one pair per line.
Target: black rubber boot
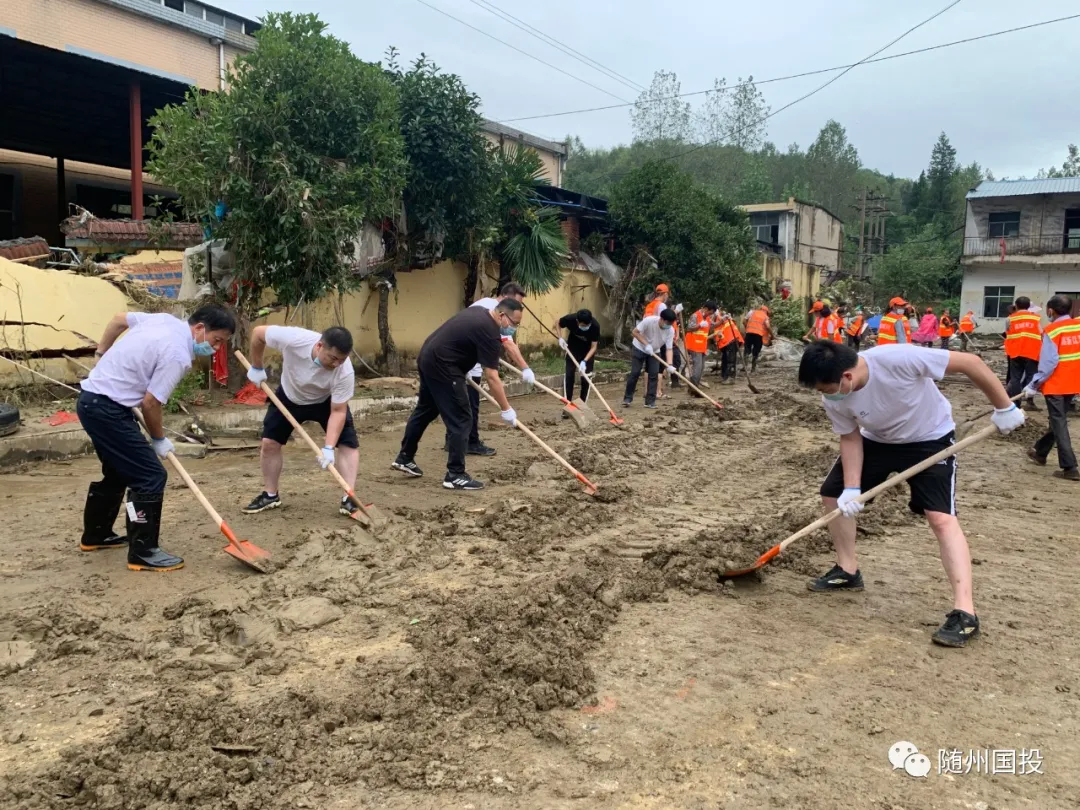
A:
x,y
99,515
144,554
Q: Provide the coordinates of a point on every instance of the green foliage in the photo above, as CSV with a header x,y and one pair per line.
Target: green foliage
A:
x,y
701,243
789,317
1070,168
659,114
924,270
832,165
189,387
303,149
450,176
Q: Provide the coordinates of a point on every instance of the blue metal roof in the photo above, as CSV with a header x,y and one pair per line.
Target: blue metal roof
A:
x,y
1023,188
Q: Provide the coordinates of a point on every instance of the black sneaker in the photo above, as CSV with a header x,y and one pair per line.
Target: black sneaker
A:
x,y
626,403
651,407
346,508
262,503
407,467
959,628
480,449
836,579
463,481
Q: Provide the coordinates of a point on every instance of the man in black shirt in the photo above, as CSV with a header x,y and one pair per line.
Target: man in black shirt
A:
x,y
582,339
472,336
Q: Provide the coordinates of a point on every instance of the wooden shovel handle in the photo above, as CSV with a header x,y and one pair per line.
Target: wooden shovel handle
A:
x,y
977,417
687,381
304,435
593,387
896,480
540,442
539,385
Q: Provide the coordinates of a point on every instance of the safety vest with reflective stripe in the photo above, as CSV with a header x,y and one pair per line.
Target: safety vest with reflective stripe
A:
x,y
727,332
654,307
856,326
838,328
946,327
967,324
887,329
697,340
1022,338
1066,377
757,323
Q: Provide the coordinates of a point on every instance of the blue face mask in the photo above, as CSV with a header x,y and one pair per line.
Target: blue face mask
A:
x,y
665,326
203,349
507,331
316,361
839,396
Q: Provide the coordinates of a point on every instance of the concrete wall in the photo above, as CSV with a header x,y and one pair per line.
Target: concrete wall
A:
x,y
821,237
1037,283
552,162
805,279
1041,215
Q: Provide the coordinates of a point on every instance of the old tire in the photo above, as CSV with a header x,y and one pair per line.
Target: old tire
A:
x,y
9,419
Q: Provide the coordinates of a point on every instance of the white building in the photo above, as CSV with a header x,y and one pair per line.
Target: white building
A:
x,y
1022,237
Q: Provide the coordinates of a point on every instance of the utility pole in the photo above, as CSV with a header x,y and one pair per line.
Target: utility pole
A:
x,y
862,230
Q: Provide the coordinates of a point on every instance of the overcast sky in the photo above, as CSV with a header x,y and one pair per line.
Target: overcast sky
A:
x,y
1008,102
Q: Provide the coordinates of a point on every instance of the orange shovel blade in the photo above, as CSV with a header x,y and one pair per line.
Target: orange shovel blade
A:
x,y
246,552
762,561
614,419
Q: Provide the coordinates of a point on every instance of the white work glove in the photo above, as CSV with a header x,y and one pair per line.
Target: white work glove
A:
x,y
648,348
528,376
162,446
1030,392
509,416
847,503
327,457
678,309
670,369
563,344
584,369
1006,420
257,375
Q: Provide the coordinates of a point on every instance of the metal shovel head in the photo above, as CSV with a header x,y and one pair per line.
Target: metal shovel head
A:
x,y
761,562
582,415
250,555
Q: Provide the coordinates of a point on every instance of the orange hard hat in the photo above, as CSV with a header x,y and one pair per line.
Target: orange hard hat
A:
x,y
662,288
817,307
898,302
765,309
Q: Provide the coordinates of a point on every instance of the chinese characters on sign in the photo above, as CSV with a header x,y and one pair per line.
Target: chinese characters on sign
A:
x,y
1022,762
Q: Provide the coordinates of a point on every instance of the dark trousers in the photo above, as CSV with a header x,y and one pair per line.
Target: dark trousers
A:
x,y
854,341
127,459
945,343
1057,408
446,398
729,357
1021,371
651,365
572,371
753,348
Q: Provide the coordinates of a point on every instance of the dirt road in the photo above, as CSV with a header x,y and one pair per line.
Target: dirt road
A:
x,y
511,648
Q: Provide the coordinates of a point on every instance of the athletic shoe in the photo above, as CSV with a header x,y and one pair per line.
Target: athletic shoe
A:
x,y
959,628
651,407
836,579
626,403
480,449
463,481
262,503
346,508
1040,460
1068,475
407,467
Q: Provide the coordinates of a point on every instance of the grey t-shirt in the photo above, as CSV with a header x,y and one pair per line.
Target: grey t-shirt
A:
x,y
658,338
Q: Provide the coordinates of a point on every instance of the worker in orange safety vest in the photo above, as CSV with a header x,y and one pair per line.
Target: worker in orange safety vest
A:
x,y
697,338
758,330
1058,378
894,328
855,329
967,329
728,340
1023,344
946,328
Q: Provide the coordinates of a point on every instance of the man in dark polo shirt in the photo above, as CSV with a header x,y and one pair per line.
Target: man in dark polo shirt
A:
x,y
472,336
582,339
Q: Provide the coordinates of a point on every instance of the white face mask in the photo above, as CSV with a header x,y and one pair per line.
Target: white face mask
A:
x,y
840,396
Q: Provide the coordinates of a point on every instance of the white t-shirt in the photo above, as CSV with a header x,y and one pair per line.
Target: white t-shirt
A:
x,y
900,403
488,304
305,382
151,358
658,338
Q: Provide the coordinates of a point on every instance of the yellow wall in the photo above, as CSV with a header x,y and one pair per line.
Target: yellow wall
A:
x,y
552,162
805,279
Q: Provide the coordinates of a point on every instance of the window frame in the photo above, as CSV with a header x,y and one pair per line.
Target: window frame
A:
x,y
990,223
1003,301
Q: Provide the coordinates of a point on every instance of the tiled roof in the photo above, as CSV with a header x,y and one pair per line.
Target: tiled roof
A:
x,y
1024,188
126,231
15,249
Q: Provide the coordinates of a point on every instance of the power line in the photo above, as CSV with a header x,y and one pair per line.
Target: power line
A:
x,y
806,73
536,33
525,53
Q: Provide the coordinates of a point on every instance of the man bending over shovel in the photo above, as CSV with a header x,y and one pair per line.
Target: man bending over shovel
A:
x,y
317,382
890,416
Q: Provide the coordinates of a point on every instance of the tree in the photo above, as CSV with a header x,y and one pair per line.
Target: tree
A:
x,y
659,114
702,245
939,180
713,119
746,125
832,164
755,186
303,150
924,270
1071,166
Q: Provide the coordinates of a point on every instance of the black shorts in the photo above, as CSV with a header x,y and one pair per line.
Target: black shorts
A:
x,y
277,428
932,490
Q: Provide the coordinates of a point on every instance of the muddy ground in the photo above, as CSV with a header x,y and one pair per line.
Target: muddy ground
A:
x,y
529,646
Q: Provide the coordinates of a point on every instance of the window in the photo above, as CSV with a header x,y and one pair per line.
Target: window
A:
x,y
234,25
214,17
175,5
997,300
7,206
1005,224
1072,229
193,9
765,227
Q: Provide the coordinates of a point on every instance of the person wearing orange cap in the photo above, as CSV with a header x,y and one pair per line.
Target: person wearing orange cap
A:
x,y
757,330
894,329
825,325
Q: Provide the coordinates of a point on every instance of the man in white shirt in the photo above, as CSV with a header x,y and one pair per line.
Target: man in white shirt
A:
x,y
140,371
317,382
652,333
890,415
476,447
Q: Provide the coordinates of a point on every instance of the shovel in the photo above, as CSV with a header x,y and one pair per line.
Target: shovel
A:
x,y
590,487
577,410
900,478
245,551
686,380
965,427
362,515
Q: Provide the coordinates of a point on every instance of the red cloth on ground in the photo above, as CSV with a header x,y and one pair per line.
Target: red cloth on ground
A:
x,y
250,394
61,418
